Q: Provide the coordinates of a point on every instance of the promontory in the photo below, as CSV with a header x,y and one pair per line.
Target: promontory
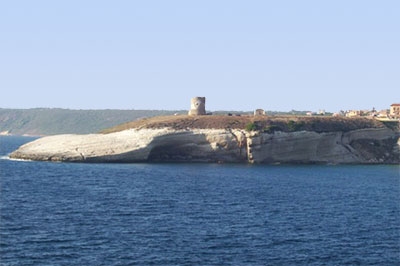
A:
x,y
228,139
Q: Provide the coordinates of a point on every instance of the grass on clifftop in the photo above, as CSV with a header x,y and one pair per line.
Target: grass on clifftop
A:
x,y
251,123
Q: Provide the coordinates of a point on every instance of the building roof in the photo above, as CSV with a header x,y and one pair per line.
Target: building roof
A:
x,y
395,104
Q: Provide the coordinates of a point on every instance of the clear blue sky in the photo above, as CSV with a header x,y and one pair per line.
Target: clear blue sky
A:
x,y
241,55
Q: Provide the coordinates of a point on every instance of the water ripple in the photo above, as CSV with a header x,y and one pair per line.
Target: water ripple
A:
x,y
122,214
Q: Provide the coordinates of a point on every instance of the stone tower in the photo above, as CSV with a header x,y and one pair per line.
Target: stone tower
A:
x,y
198,106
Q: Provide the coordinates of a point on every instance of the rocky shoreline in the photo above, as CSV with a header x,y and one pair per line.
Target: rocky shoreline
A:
x,y
378,145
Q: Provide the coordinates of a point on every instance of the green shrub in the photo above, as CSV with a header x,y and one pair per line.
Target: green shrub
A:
x,y
295,126
251,127
272,129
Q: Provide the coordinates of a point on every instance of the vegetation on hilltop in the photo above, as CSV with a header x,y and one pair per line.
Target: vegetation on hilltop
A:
x,y
252,123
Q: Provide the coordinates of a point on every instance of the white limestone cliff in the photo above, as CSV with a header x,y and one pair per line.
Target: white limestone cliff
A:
x,y
375,145
325,147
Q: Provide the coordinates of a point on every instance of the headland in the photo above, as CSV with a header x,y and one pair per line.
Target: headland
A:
x,y
228,139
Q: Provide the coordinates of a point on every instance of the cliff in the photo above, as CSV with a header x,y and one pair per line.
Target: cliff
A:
x,y
226,139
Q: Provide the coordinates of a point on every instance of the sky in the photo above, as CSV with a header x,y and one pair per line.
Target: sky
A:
x,y
241,55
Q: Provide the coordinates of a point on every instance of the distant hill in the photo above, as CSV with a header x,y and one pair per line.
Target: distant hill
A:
x,y
50,121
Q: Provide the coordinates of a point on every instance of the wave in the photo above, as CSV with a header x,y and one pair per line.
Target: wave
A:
x,y
6,157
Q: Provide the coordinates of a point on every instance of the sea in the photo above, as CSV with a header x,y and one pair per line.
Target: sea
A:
x,y
196,214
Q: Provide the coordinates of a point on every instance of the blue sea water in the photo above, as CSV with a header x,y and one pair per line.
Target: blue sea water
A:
x,y
196,214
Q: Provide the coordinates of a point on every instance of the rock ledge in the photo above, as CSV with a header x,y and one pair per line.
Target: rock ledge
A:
x,y
360,146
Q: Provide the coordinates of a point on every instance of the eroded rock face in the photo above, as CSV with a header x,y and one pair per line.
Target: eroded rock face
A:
x,y
358,146
375,145
137,146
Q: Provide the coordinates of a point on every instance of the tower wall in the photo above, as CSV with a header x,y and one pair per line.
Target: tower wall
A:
x,y
198,106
